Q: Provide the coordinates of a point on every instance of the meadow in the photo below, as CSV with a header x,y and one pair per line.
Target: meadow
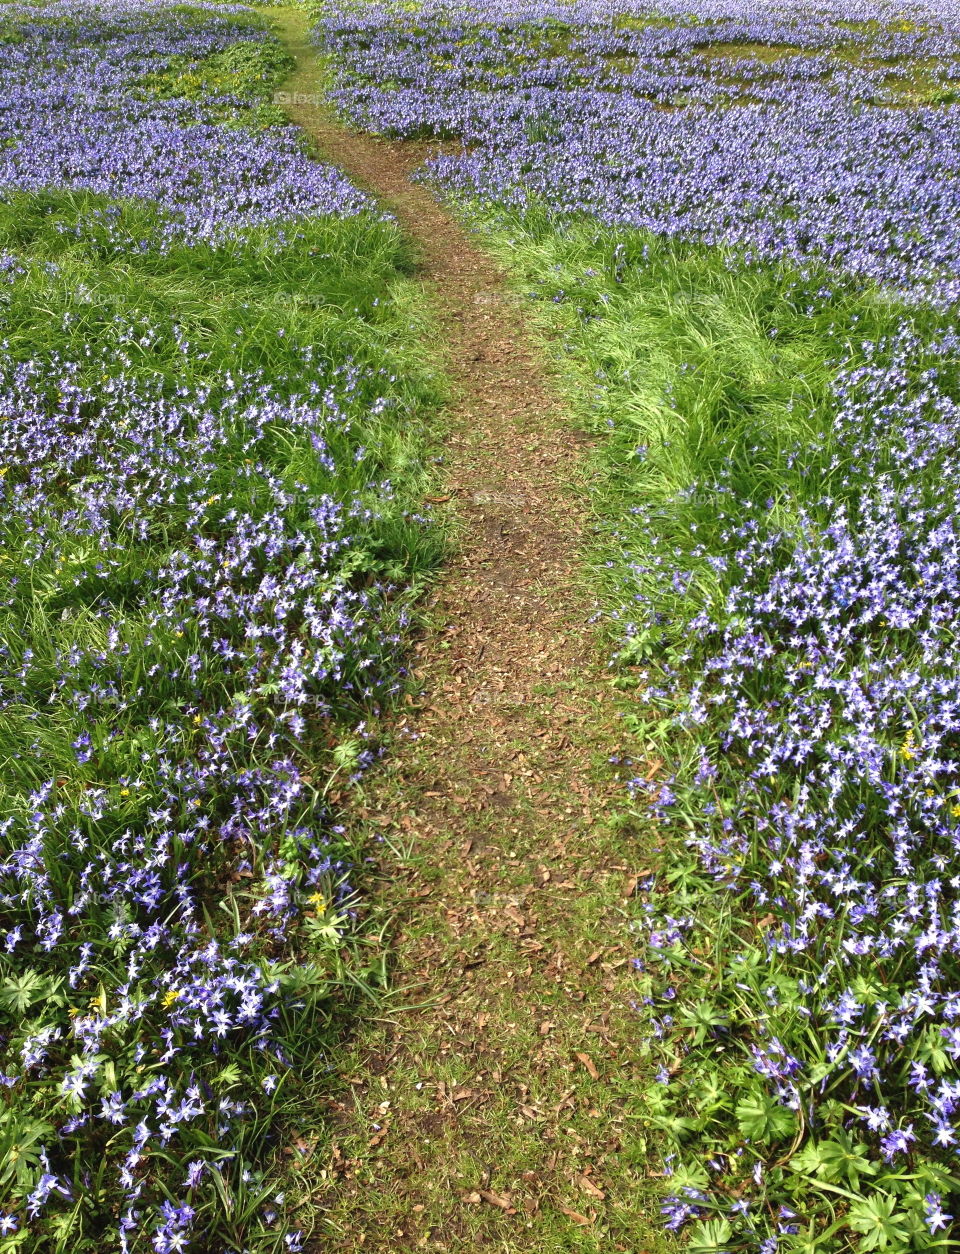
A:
x,y
737,229
738,226
216,415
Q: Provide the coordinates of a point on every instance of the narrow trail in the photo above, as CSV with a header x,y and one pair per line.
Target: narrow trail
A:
x,y
499,1110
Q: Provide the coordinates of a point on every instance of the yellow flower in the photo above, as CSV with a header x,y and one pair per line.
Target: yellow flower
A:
x,y
318,901
197,720
124,792
172,995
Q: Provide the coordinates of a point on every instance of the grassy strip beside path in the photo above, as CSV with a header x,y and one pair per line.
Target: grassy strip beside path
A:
x,y
774,479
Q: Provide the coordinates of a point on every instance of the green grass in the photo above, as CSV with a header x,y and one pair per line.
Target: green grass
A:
x,y
676,349
325,304
236,85
695,371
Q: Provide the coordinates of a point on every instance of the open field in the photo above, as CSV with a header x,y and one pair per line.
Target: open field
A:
x,y
652,761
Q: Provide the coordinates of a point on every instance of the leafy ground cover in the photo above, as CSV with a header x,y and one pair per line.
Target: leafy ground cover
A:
x,y
738,227
212,446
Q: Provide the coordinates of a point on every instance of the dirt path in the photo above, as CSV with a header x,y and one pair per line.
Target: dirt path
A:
x,y
497,1114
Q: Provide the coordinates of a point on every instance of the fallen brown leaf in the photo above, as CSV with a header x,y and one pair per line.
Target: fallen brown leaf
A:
x,y
588,1063
503,1203
589,1187
575,1215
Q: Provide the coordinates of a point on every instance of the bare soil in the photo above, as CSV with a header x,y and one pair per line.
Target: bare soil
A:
x,y
495,1107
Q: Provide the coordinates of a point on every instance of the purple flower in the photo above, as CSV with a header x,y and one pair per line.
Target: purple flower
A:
x,y
935,1216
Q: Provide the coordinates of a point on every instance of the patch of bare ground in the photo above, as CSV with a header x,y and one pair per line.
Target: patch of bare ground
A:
x,y
496,1105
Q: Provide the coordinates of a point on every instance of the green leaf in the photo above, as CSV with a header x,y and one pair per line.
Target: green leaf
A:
x,y
845,1159
879,1221
19,992
21,1141
690,1176
761,1118
809,1241
346,754
702,1018
228,1076
710,1236
839,1160
809,1160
